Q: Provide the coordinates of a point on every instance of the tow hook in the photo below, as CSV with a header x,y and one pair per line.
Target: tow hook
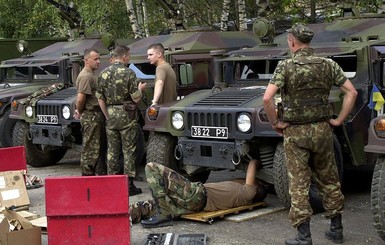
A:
x,y
236,158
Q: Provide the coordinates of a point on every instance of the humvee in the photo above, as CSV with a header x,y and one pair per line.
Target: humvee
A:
x,y
37,67
224,127
50,124
376,145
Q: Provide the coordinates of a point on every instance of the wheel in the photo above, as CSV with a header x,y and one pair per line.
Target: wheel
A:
x,y
35,156
6,127
281,179
161,148
378,197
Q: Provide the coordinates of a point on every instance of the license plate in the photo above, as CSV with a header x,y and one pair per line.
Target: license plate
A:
x,y
209,132
49,119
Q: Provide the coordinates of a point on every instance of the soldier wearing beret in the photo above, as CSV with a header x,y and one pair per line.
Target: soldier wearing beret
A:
x,y
306,123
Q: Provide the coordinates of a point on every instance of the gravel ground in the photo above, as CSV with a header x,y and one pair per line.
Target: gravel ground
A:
x,y
272,228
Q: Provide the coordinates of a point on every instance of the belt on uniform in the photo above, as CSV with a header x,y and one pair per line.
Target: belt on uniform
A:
x,y
116,105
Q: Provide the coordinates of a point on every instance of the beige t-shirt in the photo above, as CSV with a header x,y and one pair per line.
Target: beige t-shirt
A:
x,y
165,73
228,194
86,84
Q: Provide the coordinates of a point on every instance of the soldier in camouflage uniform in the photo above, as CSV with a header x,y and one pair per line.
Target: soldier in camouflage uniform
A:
x,y
174,195
305,81
118,92
92,160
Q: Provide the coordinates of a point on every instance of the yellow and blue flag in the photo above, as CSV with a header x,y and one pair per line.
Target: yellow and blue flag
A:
x,y
376,100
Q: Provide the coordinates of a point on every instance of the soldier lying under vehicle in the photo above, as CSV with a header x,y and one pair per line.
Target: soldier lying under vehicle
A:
x,y
174,195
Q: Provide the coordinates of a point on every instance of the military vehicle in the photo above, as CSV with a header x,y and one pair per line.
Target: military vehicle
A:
x,y
376,145
48,123
25,75
223,127
10,46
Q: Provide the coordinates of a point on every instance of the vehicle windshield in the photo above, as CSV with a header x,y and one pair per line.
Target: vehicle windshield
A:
x,y
24,74
254,71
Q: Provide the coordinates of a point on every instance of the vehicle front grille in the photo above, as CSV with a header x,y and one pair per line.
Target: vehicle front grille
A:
x,y
48,110
209,119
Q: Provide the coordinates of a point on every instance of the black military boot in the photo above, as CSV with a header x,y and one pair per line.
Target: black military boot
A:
x,y
335,233
161,218
304,236
133,190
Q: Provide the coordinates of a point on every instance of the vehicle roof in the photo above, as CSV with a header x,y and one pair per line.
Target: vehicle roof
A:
x,y
193,42
342,36
56,52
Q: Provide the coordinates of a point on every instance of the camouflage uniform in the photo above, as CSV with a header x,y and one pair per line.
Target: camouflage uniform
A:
x,y
93,156
305,81
173,192
116,85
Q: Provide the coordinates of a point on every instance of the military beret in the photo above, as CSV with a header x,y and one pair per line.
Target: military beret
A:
x,y
301,32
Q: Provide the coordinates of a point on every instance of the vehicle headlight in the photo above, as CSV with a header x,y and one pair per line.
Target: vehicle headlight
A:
x,y
177,120
29,111
66,112
379,127
244,122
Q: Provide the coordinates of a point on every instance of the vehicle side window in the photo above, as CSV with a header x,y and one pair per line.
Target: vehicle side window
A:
x,y
196,73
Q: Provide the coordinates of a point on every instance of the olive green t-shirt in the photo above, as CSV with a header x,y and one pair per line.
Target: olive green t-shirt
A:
x,y
86,84
165,73
228,194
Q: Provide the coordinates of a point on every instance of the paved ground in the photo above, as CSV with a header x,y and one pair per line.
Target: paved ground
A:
x,y
269,229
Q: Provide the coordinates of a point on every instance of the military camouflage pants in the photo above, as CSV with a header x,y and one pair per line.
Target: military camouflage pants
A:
x,y
92,159
174,193
315,141
122,134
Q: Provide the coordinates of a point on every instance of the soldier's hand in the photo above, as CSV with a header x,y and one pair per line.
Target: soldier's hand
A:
x,y
77,115
142,86
335,122
280,126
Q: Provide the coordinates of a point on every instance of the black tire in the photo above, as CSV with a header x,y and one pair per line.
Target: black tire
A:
x,y
35,156
378,197
281,179
161,148
6,128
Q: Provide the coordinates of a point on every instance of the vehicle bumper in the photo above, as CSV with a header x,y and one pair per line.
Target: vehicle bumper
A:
x,y
212,154
49,134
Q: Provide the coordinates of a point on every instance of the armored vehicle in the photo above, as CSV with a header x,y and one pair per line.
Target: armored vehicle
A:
x,y
23,76
45,71
224,127
376,145
48,121
9,46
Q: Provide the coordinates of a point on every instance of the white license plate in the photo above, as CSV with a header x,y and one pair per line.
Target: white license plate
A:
x,y
209,132
48,119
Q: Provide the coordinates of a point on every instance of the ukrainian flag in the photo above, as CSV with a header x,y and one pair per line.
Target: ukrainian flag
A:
x,y
376,100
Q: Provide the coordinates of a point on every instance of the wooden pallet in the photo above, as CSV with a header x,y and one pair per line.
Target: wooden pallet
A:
x,y
209,216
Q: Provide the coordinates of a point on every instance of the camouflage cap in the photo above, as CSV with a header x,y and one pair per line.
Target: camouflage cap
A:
x,y
301,32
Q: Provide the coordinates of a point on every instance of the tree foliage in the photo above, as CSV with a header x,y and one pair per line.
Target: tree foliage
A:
x,y
38,18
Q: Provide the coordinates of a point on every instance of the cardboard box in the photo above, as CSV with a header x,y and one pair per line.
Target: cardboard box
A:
x,y
13,192
24,233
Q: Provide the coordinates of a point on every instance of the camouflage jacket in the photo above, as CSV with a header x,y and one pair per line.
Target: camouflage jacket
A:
x,y
305,81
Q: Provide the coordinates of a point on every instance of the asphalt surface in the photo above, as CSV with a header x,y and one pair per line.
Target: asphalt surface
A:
x,y
271,228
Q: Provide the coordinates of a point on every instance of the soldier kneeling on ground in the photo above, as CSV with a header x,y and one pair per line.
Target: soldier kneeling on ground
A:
x,y
174,195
